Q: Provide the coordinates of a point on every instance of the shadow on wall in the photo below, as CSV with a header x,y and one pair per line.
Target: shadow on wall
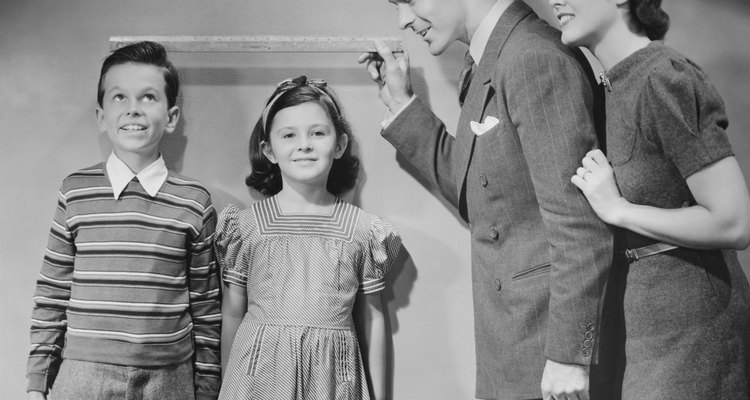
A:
x,y
398,287
737,5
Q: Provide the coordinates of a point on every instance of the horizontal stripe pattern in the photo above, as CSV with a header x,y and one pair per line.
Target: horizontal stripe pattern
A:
x,y
130,281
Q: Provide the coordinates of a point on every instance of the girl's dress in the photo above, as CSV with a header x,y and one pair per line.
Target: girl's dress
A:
x,y
302,273
686,312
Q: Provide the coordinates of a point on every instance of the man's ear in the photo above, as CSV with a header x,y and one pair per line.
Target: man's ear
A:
x,y
341,142
174,116
265,147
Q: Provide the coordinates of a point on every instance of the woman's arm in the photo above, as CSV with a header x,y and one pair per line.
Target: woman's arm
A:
x,y
233,309
719,220
371,332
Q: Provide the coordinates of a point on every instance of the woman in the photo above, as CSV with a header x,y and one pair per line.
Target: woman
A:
x,y
679,202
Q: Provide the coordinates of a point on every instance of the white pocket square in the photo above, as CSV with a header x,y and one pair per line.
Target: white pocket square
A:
x,y
480,129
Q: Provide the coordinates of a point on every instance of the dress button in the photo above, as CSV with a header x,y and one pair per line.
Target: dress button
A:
x,y
498,285
483,179
494,234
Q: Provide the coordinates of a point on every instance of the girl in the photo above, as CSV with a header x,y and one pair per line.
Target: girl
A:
x,y
299,263
682,204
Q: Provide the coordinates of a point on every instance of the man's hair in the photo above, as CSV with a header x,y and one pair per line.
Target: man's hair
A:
x,y
150,53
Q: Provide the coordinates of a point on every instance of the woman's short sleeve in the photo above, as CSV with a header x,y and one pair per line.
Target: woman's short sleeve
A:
x,y
383,250
228,245
686,115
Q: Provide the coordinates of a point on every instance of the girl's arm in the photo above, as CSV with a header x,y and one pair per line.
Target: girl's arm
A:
x,y
719,220
233,308
371,332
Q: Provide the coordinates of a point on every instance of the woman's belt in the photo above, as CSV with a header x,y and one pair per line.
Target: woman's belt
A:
x,y
633,255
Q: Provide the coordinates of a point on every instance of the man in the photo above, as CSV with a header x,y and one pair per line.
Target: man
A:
x,y
540,256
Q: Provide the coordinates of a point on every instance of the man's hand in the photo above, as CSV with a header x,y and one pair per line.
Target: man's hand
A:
x,y
33,395
565,381
391,72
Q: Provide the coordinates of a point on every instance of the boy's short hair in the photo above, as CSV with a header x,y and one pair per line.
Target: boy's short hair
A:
x,y
266,176
145,52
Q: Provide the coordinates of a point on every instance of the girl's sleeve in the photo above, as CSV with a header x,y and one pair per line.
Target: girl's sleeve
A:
x,y
230,252
687,116
383,249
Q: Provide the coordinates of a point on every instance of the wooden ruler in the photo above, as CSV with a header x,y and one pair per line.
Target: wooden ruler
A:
x,y
263,44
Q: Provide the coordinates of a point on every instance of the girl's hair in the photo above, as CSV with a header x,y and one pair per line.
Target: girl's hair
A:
x,y
266,176
648,17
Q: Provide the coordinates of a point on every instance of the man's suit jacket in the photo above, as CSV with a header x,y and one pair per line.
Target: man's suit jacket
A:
x,y
540,255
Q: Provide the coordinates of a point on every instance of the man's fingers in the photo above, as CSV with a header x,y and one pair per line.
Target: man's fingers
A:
x,y
403,60
384,51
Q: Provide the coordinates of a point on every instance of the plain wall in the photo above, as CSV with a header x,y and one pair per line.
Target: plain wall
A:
x,y
50,55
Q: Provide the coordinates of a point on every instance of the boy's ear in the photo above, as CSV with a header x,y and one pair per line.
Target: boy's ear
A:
x,y
341,142
173,115
265,147
100,119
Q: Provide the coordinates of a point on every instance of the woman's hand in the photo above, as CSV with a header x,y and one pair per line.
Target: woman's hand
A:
x,y
596,179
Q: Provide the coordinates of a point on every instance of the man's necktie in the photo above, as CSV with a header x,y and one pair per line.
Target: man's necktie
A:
x,y
464,80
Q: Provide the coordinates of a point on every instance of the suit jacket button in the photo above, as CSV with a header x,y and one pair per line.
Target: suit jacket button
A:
x,y
589,335
590,326
483,179
587,343
494,234
498,285
586,352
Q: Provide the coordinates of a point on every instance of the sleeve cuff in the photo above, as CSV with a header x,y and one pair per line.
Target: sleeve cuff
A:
x,y
36,383
390,117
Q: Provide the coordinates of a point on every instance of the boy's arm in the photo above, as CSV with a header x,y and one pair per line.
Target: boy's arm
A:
x,y
371,334
205,306
49,316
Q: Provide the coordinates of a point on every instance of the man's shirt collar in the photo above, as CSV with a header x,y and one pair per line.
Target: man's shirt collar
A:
x,y
481,36
151,177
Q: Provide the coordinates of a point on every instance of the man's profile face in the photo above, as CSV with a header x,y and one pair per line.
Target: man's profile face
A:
x,y
438,22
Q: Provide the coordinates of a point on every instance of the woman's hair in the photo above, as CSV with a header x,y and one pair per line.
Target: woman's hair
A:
x,y
648,17
266,176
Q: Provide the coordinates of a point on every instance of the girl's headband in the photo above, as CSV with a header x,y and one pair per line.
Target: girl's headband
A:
x,y
287,84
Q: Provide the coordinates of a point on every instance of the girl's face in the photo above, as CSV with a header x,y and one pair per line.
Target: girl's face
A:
x,y
585,23
303,142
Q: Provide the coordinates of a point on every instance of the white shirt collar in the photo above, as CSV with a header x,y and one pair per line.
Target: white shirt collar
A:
x,y
481,36
151,177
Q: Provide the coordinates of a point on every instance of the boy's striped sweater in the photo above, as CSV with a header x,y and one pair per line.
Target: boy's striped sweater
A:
x,y
129,281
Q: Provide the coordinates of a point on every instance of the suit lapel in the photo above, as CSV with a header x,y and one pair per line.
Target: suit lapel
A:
x,y
479,93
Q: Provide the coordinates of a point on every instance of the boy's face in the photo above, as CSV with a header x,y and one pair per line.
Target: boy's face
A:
x,y
134,111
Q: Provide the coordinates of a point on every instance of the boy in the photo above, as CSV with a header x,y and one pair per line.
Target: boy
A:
x,y
127,302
